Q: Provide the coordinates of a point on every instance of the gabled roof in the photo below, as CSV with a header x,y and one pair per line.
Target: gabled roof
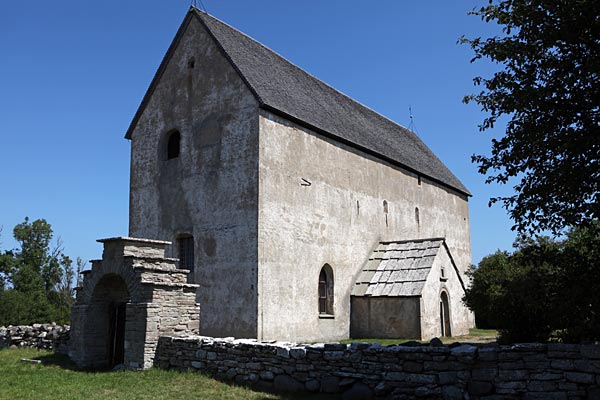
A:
x,y
286,90
398,268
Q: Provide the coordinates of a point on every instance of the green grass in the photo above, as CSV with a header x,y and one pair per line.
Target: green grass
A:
x,y
475,335
383,342
56,378
483,332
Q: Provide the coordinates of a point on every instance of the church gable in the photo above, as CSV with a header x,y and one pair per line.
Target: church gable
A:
x,y
190,77
194,175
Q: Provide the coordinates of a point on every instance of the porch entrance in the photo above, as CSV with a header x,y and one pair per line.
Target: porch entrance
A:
x,y
116,342
445,315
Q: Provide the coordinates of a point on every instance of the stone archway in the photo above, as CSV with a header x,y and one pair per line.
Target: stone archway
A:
x,y
127,301
109,304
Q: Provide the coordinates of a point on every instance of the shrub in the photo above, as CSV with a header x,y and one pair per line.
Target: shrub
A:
x,y
543,287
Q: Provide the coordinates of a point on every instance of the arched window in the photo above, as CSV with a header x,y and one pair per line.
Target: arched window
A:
x,y
326,290
173,145
417,216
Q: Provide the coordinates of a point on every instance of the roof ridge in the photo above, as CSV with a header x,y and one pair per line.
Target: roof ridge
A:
x,y
306,72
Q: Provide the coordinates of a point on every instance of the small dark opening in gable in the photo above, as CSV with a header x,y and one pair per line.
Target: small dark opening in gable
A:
x,y
173,145
192,63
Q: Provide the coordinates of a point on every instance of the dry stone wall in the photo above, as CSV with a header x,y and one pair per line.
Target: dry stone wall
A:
x,y
46,336
361,370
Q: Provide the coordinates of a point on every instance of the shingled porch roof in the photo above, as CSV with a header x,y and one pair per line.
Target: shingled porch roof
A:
x,y
288,91
397,268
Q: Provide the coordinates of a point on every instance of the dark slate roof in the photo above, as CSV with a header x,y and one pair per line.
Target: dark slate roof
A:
x,y
397,268
284,89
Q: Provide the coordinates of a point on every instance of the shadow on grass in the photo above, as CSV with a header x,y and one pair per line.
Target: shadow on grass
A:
x,y
63,361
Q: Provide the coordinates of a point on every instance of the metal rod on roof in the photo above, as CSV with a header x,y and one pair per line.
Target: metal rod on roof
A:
x,y
203,6
412,125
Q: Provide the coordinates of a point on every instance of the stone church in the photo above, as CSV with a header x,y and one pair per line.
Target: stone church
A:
x,y
272,206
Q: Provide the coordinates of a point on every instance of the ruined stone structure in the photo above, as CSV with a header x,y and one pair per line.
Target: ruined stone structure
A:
x,y
301,214
127,301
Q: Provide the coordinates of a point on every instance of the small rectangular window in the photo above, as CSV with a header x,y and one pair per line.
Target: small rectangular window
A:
x,y
322,297
186,252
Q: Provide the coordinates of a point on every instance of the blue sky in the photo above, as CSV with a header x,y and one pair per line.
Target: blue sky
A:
x,y
72,75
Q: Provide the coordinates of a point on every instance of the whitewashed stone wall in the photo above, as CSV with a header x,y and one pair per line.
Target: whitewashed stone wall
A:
x,y
360,370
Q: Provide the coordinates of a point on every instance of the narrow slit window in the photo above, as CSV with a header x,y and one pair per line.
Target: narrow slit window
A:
x,y
173,144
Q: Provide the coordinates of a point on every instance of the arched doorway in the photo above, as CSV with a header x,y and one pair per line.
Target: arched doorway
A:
x,y
445,315
109,303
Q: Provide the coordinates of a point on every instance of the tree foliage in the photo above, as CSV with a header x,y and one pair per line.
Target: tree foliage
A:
x,y
549,89
36,278
544,288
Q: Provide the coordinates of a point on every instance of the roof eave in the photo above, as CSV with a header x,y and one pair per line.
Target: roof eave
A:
x,y
462,283
380,156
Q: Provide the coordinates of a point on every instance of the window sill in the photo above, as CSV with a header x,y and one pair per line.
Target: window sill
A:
x,y
326,316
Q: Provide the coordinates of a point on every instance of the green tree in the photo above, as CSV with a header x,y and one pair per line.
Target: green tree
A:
x,y
549,90
515,293
487,287
36,278
545,287
579,305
